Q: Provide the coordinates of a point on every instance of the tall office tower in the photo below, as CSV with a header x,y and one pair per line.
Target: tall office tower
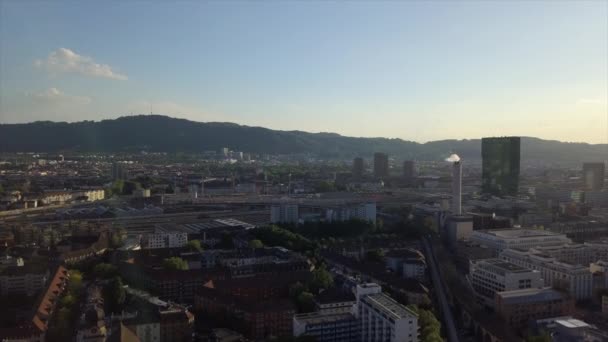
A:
x,y
408,169
593,176
358,167
118,171
457,188
500,165
380,165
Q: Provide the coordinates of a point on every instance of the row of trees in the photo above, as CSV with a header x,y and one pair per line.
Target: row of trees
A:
x,y
277,236
303,294
339,229
114,294
430,327
63,324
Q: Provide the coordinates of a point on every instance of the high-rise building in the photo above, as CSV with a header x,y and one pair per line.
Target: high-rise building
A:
x,y
118,171
358,167
409,171
380,165
593,176
457,188
500,165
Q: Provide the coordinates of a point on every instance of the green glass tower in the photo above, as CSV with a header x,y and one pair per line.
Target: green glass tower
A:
x,y
500,165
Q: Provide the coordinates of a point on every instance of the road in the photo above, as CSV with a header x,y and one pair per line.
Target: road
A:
x,y
446,312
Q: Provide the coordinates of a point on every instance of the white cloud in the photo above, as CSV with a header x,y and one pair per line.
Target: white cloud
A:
x,y
56,96
67,61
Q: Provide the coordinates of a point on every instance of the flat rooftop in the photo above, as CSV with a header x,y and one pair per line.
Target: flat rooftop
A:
x,y
388,306
519,233
542,294
323,317
505,266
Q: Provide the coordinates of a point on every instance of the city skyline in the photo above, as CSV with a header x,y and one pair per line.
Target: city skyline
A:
x,y
415,71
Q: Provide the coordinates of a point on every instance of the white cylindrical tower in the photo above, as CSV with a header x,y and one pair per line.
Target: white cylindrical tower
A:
x,y
456,188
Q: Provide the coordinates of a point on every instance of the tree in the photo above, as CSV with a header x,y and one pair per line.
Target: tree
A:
x,y
430,328
129,187
296,289
325,186
194,245
255,243
117,187
75,282
321,279
114,295
376,255
68,300
175,264
105,271
305,302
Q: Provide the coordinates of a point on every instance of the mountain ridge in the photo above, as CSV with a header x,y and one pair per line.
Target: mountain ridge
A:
x,y
165,134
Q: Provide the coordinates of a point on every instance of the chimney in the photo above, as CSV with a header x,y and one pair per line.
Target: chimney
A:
x,y
456,188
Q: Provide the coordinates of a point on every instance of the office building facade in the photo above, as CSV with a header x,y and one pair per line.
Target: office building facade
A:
x,y
284,213
358,167
380,165
593,176
489,276
382,318
500,165
409,170
519,307
577,280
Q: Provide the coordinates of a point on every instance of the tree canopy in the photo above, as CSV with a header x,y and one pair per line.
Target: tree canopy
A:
x,y
255,243
175,264
194,246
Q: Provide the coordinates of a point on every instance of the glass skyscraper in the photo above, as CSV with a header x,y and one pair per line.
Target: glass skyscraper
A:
x,y
500,165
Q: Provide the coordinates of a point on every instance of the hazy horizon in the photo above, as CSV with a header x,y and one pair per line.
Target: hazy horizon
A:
x,y
418,71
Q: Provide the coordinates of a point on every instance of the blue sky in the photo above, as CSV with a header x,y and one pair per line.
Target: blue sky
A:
x,y
413,69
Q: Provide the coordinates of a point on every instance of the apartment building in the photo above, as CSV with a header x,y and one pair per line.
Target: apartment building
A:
x,y
24,280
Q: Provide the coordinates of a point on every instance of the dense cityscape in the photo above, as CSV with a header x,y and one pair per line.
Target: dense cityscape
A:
x,y
303,171
236,246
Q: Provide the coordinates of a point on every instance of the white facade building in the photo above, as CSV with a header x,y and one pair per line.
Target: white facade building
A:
x,y
382,318
284,213
18,280
327,326
489,276
576,279
578,254
501,239
361,211
162,238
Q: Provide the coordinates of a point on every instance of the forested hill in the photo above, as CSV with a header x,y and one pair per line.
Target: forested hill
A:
x,y
162,133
